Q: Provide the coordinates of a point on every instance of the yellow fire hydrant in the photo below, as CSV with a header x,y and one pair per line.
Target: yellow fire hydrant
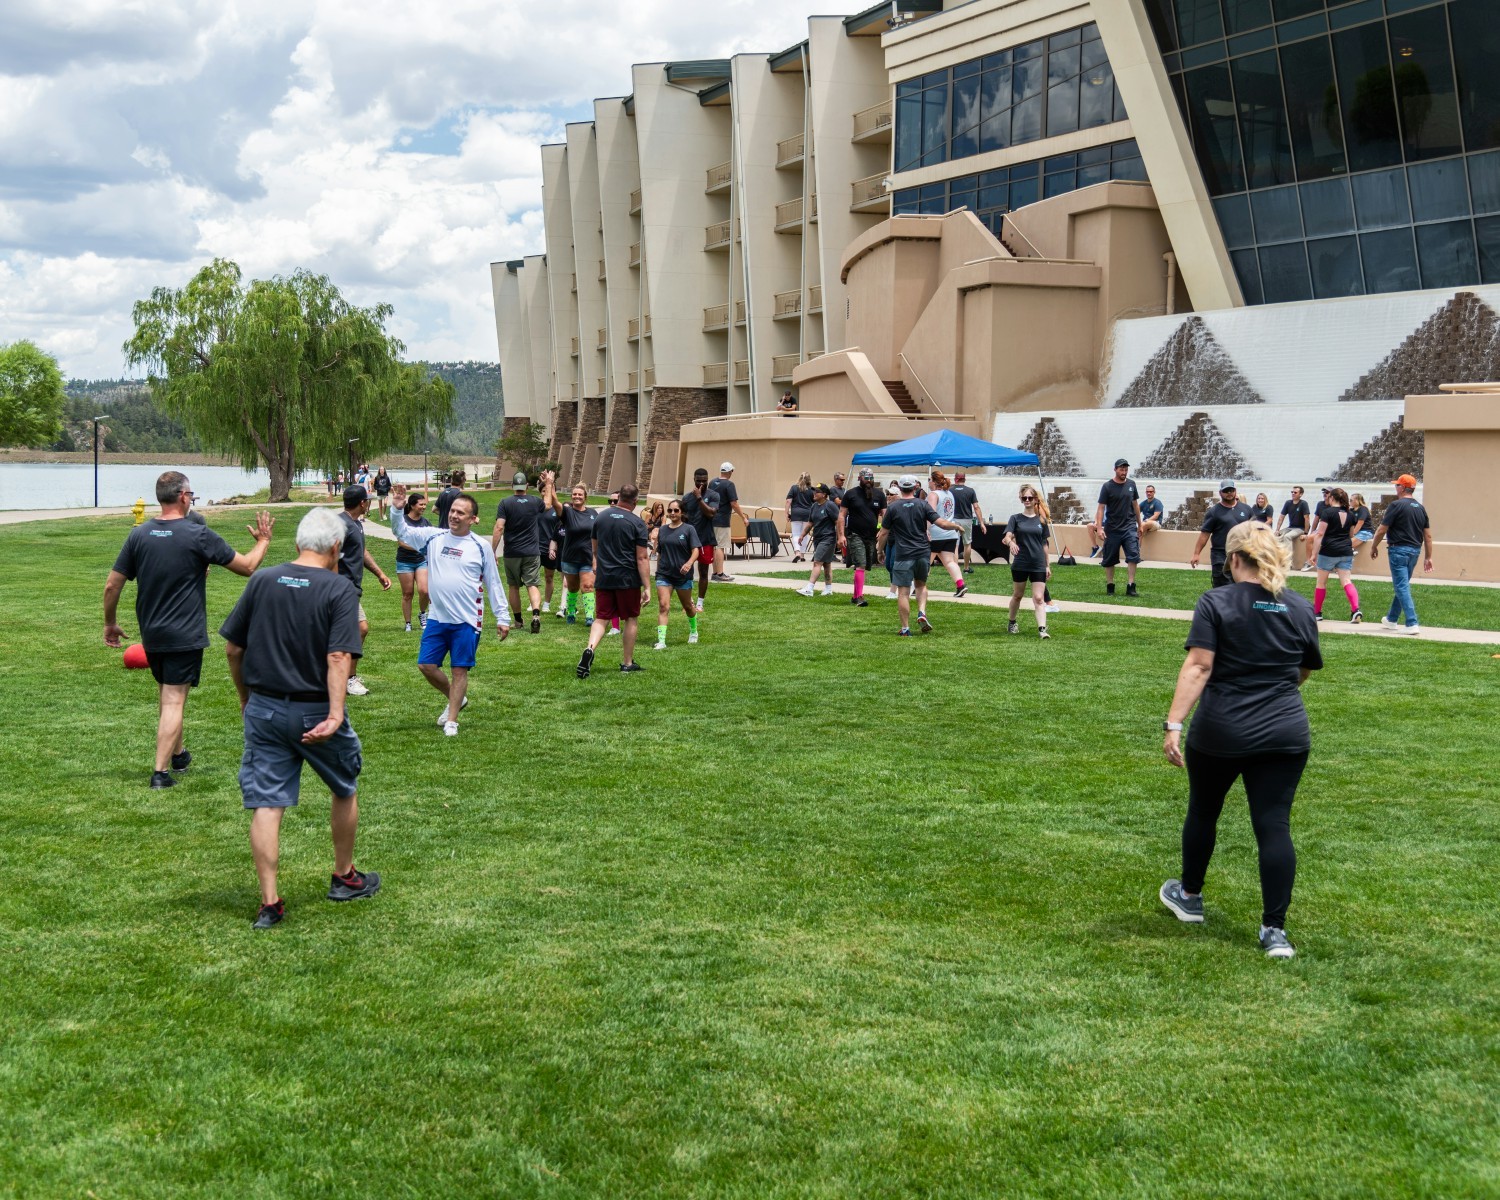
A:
x,y
138,509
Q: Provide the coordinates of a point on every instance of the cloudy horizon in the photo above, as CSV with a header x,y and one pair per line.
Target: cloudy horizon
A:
x,y
393,150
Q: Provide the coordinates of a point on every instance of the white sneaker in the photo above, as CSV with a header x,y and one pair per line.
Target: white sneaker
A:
x,y
1411,629
659,646
1054,607
408,627
613,632
891,595
443,716
805,591
1387,623
826,592
450,728
700,604
692,639
356,686
546,606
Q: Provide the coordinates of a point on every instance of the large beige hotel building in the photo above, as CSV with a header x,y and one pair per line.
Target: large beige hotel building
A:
x,y
1216,237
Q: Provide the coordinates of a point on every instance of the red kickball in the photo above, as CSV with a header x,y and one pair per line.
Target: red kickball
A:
x,y
135,657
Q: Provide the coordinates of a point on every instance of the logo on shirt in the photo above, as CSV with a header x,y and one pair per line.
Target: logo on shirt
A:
x,y
1270,606
161,533
293,581
453,551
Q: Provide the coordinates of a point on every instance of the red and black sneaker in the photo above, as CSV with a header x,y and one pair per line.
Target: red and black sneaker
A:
x,y
356,885
270,914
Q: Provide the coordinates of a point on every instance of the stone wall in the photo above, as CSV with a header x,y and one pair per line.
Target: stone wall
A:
x,y
590,425
622,415
564,427
671,409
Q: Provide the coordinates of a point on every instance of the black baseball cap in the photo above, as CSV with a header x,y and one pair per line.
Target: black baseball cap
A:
x,y
1122,462
355,494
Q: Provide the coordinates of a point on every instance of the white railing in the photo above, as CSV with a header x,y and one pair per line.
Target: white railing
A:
x,y
715,374
782,365
815,298
716,235
719,177
791,150
715,317
868,190
789,214
872,120
788,304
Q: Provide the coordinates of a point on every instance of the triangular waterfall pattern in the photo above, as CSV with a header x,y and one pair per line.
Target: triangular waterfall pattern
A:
x,y
1395,450
1460,343
1191,369
1047,442
1196,449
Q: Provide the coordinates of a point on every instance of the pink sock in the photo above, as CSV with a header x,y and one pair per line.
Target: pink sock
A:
x,y
1319,595
960,582
1353,593
615,623
859,582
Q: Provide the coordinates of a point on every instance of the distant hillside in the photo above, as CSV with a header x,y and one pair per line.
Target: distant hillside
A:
x,y
137,426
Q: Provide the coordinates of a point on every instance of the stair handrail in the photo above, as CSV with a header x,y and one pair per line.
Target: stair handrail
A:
x,y
930,399
1008,221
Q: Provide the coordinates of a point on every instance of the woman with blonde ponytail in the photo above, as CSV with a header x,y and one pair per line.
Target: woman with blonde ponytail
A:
x,y
1251,647
1026,534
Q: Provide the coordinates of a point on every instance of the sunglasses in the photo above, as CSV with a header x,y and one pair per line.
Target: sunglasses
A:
x,y
1028,499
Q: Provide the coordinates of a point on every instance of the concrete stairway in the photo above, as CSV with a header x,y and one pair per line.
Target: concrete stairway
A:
x,y
902,397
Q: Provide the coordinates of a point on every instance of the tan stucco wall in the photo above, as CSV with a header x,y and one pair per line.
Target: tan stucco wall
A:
x,y
538,324
588,249
557,216
1462,435
618,173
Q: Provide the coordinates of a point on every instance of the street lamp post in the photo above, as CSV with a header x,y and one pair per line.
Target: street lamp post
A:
x,y
349,454
101,417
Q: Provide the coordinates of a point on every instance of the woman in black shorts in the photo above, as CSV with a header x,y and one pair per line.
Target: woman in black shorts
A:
x,y
1026,534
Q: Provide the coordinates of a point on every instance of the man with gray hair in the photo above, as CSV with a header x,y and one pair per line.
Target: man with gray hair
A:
x,y
168,557
292,641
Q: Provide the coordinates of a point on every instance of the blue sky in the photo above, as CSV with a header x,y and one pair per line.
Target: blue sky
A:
x,y
391,147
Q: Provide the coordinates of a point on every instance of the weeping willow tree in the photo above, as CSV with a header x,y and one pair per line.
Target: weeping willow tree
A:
x,y
282,373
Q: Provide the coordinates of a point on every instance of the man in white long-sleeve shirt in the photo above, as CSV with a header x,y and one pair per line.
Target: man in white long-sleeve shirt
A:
x,y
460,567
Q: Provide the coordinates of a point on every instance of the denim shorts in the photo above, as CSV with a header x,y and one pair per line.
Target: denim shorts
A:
x,y
683,583
410,568
1329,562
906,571
271,769
585,568
443,639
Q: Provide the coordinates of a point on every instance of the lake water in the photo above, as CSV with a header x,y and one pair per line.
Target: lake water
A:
x,y
71,485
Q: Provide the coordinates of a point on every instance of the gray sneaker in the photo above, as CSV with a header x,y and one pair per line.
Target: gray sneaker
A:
x,y
1183,907
1274,942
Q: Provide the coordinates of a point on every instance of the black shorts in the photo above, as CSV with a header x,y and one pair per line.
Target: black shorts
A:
x,y
1027,576
175,666
1115,540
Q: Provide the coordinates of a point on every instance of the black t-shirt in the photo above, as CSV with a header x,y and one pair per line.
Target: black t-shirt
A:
x,y
1405,521
906,522
1336,541
1264,513
1219,520
835,493
825,521
673,547
352,553
289,619
444,502
617,533
169,562
802,500
1296,514
727,494
1031,534
963,501
696,513
1323,505
1260,644
522,515
577,528
1362,513
382,484
863,510
546,531
1119,500
414,557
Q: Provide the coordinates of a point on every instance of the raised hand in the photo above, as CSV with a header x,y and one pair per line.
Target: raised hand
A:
x,y
261,530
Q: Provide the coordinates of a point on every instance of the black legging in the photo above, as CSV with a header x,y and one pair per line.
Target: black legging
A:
x,y
1270,784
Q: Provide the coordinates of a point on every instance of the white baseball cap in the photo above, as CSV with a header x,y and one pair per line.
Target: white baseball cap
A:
x,y
726,466
906,482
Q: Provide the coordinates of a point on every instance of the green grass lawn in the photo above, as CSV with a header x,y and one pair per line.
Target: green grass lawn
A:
x,y
1437,606
803,911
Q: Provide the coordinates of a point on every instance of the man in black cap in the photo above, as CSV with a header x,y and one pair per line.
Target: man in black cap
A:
x,y
354,560
862,507
1219,520
698,509
1120,500
519,522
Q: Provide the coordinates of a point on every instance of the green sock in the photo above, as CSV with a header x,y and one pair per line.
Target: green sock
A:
x,y
571,603
661,633
588,606
692,624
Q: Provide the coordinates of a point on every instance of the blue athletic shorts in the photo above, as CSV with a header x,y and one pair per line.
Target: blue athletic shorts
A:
x,y
271,769
908,570
683,583
458,643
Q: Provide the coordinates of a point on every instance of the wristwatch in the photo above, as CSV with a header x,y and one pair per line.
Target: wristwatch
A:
x,y
1172,726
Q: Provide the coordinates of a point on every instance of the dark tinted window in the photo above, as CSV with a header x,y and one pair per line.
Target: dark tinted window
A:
x,y
1476,55
1425,97
1446,254
1262,113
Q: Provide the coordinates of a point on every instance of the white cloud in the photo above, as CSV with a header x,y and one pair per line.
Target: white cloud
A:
x,y
138,141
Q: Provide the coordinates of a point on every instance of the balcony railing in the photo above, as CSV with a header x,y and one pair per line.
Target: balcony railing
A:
x,y
633,329
603,390
715,317
790,151
632,380
646,325
633,433
739,312
715,374
742,370
873,124
868,193
603,339
815,298
601,268
573,390
635,254
648,377
716,237
782,366
789,215
719,177
635,202
788,304
575,347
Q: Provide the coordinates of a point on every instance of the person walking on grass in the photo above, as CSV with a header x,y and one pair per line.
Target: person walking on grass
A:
x,y
945,544
1335,538
551,542
460,568
726,503
355,560
678,550
382,486
1251,647
169,557
859,524
967,514
1026,534
823,519
622,566
799,502
698,508
1405,526
1119,516
292,641
905,527
518,523
411,563
575,528
1217,522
